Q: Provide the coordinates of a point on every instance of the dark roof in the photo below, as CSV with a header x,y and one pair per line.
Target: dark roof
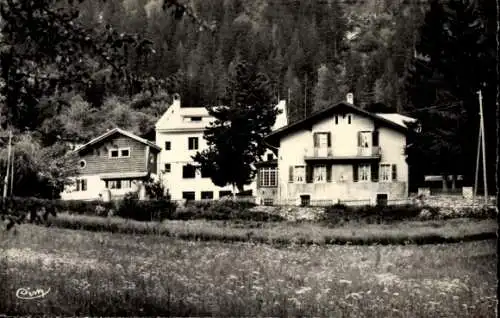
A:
x,y
118,131
274,137
267,163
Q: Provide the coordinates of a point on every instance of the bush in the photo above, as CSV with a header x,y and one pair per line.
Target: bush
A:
x,y
374,214
95,207
223,210
148,210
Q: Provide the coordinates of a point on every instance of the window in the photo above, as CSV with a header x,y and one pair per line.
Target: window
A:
x,y
364,139
268,177
113,184
195,118
336,119
320,173
167,167
207,195
349,119
167,145
225,194
270,156
126,184
83,164
193,143
268,201
188,195
188,172
364,172
300,173
119,153
385,172
81,184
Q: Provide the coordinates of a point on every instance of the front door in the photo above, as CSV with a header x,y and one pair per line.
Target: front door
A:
x,y
305,200
381,199
366,143
322,145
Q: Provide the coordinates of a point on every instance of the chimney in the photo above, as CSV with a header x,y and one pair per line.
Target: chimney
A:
x,y
176,103
281,119
350,98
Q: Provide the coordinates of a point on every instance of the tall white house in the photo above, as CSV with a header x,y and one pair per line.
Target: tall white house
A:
x,y
179,134
342,154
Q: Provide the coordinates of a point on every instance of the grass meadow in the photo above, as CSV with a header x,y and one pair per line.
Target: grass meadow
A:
x,y
107,274
285,233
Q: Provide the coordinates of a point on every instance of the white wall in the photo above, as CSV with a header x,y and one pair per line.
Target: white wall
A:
x,y
293,147
94,186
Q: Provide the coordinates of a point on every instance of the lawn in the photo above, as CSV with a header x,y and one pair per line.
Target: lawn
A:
x,y
98,273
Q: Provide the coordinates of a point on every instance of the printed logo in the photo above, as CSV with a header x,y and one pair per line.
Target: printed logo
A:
x,y
27,293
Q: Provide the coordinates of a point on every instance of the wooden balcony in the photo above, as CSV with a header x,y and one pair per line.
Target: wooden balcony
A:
x,y
329,154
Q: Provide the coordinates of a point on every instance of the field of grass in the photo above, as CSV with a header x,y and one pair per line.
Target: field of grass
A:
x,y
285,233
97,273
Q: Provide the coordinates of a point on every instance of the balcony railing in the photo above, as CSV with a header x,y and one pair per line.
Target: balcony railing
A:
x,y
330,153
373,151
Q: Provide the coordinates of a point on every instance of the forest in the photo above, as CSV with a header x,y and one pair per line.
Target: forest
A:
x,y
70,70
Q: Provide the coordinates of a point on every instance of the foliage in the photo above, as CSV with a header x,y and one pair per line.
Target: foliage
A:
x,y
456,51
155,189
226,210
130,207
373,214
38,171
235,139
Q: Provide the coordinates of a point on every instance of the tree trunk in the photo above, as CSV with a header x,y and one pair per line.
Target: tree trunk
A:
x,y
453,182
445,184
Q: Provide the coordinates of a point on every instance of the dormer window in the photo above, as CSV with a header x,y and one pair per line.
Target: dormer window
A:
x,y
196,118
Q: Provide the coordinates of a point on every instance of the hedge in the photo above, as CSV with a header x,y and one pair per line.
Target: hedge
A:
x,y
340,213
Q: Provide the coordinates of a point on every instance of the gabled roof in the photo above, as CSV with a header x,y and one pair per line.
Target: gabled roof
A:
x,y
117,131
387,121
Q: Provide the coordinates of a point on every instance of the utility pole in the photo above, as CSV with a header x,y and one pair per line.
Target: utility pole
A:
x,y
6,179
12,173
483,144
477,167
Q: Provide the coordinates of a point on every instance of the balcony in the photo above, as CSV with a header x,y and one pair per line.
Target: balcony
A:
x,y
329,154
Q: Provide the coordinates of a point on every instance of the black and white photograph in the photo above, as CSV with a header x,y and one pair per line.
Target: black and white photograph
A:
x,y
249,158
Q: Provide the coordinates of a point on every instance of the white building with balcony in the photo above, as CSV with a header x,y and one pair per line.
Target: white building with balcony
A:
x,y
342,154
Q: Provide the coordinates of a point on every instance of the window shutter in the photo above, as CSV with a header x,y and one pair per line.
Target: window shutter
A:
x,y
290,174
309,174
375,169
394,173
316,141
258,177
329,139
328,173
375,138
359,138
355,173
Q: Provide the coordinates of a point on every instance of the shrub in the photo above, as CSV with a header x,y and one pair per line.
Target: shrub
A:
x,y
148,210
375,214
95,207
223,210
